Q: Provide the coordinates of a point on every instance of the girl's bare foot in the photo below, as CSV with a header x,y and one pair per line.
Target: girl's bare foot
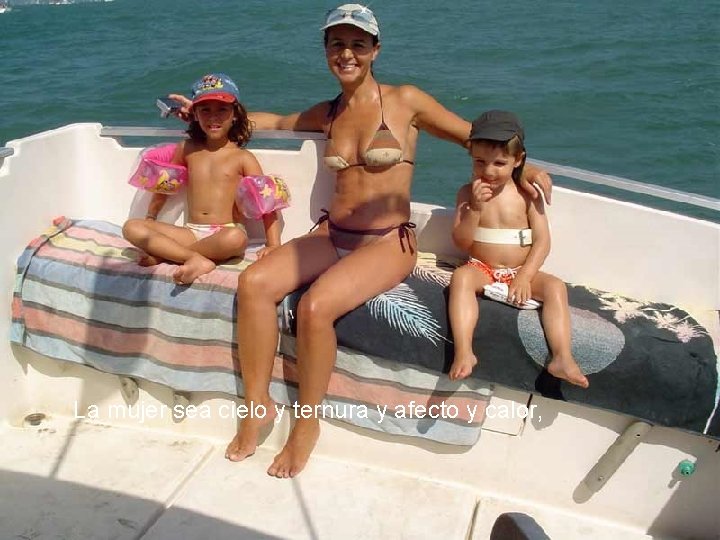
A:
x,y
245,441
567,369
296,452
462,366
194,267
148,260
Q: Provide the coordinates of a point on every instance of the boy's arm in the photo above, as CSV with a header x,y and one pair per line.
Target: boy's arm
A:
x,y
466,219
540,238
520,290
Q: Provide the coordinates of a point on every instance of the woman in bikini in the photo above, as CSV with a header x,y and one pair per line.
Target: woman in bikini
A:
x,y
362,247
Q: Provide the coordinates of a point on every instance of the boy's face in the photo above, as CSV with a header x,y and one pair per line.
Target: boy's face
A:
x,y
492,164
215,117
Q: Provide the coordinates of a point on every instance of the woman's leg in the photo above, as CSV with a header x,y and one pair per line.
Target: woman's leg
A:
x,y
463,310
359,276
556,322
260,287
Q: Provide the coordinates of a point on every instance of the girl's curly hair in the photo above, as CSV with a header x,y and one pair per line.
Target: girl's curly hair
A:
x,y
239,133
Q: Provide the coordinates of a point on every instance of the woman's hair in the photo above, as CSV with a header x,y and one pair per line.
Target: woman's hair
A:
x,y
513,147
239,133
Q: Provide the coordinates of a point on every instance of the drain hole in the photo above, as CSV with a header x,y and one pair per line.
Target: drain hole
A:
x,y
34,419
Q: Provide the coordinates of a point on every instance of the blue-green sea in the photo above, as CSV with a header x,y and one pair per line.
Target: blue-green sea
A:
x,y
630,89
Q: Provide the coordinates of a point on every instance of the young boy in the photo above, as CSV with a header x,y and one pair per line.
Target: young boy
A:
x,y
507,237
215,161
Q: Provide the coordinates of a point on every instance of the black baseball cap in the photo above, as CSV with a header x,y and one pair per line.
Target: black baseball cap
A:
x,y
496,126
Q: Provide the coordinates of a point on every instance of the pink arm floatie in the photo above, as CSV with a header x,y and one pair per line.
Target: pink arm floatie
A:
x,y
260,195
156,173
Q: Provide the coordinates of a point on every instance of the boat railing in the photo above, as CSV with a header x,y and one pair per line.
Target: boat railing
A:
x,y
574,173
114,131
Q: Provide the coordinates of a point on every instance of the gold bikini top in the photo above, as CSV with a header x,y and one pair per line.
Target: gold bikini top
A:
x,y
383,151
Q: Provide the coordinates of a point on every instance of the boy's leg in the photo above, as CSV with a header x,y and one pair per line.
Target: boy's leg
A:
x,y
345,285
260,287
463,310
556,322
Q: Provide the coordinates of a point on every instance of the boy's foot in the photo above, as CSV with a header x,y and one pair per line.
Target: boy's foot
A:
x,y
568,370
296,452
462,366
148,260
193,268
245,441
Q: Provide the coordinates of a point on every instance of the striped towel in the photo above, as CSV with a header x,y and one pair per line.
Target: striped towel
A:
x,y
81,297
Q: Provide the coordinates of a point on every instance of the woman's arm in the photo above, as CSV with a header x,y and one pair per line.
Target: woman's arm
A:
x,y
303,121
440,122
432,117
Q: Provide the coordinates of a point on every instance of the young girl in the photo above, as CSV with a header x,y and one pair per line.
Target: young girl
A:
x,y
216,161
506,234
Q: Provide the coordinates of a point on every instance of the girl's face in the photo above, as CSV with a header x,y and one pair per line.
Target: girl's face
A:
x,y
215,118
492,164
350,52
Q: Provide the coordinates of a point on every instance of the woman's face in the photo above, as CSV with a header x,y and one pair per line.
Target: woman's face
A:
x,y
350,52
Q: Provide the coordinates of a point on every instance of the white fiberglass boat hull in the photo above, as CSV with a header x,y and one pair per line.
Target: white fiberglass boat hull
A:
x,y
181,482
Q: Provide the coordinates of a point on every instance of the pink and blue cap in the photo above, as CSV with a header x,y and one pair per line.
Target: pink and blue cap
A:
x,y
217,87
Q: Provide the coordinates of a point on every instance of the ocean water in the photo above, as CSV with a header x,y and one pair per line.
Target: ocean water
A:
x,y
623,88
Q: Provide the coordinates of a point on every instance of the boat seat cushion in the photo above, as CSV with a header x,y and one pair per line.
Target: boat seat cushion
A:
x,y
649,360
81,297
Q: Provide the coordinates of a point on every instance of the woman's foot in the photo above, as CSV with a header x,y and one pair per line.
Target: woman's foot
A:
x,y
296,452
193,268
245,441
462,366
567,368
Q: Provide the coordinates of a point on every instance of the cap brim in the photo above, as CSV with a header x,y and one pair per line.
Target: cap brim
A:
x,y
351,22
494,135
225,98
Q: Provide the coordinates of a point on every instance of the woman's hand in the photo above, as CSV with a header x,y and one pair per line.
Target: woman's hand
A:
x,y
519,290
185,112
535,175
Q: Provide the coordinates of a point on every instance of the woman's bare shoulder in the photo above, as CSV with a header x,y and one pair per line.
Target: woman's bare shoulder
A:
x,y
405,93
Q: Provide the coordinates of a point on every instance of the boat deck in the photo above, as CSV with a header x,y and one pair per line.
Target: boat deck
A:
x,y
69,478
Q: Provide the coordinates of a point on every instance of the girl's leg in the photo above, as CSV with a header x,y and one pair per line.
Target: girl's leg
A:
x,y
556,322
218,247
361,275
161,241
463,309
260,287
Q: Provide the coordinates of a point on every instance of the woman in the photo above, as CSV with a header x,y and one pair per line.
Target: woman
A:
x,y
372,132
